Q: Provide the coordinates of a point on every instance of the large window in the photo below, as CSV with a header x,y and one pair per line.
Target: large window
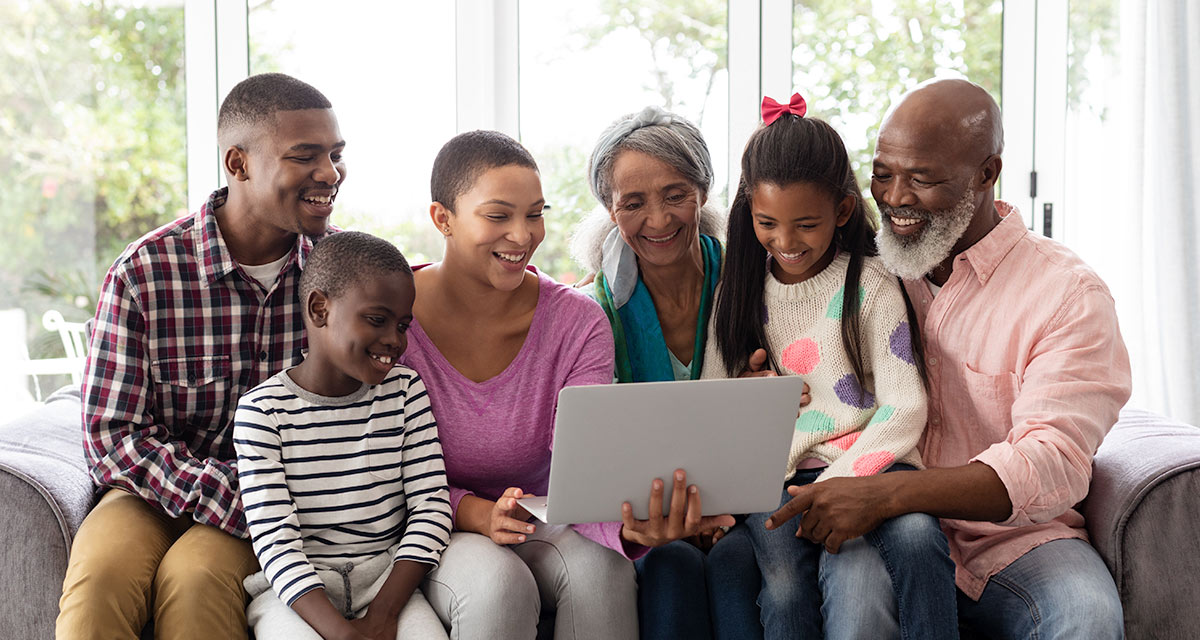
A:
x,y
852,58
388,69
584,64
93,127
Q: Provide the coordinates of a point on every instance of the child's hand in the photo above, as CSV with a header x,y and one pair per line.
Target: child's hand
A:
x,y
507,523
684,519
376,627
755,369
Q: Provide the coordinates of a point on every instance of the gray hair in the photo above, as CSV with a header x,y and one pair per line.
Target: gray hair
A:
x,y
658,134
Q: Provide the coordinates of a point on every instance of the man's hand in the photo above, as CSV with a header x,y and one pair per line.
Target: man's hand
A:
x,y
684,519
837,510
755,368
507,522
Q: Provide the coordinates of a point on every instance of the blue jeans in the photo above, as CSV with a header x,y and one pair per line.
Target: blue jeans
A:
x,y
808,592
1060,589
682,593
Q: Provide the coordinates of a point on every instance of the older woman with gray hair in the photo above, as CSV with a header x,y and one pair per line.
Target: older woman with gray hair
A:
x,y
656,261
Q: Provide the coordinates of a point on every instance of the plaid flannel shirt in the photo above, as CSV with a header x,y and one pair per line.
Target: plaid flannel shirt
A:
x,y
181,333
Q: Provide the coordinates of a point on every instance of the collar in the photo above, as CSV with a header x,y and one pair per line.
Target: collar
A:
x,y
987,254
213,254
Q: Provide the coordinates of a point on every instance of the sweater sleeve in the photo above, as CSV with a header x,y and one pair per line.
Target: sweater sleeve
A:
x,y
594,365
427,525
270,511
901,406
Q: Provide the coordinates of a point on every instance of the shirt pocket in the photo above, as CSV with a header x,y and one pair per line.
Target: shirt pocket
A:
x,y
385,449
195,392
990,397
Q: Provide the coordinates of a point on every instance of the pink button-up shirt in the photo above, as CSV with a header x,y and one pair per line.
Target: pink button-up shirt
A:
x,y
1028,371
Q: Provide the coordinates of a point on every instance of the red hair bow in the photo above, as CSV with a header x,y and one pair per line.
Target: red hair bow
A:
x,y
771,110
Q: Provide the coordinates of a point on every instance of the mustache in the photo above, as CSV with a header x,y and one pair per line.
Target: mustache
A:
x,y
905,212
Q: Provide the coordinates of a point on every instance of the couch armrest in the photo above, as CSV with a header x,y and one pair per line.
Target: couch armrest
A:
x,y
45,492
1143,515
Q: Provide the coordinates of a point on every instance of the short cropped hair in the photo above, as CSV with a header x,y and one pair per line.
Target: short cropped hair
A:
x,y
256,99
466,157
341,259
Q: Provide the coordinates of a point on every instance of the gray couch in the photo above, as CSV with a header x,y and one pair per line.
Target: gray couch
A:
x,y
1143,514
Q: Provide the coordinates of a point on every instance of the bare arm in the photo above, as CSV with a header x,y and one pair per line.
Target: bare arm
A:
x,y
503,520
840,509
383,614
316,609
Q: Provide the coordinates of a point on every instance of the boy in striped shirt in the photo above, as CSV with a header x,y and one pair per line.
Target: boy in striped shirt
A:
x,y
339,462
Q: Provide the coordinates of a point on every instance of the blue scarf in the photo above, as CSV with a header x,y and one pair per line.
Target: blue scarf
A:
x,y
642,354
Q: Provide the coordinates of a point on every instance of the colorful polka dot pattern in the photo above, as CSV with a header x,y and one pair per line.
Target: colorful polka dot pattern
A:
x,y
813,421
802,356
900,343
845,442
872,463
835,306
850,392
882,414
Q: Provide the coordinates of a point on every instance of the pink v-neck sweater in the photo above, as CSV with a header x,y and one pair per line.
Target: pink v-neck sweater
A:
x,y
498,433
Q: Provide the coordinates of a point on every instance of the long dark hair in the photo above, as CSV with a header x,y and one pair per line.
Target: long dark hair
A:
x,y
792,150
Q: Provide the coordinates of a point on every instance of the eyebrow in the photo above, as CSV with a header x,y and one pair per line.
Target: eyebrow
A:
x,y
505,203
928,171
759,214
312,146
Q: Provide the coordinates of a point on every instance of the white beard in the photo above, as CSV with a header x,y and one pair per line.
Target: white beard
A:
x,y
914,257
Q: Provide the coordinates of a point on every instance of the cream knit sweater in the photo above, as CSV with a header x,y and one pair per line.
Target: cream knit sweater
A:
x,y
857,431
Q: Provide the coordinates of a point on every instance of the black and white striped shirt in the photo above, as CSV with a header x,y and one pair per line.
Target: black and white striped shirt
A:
x,y
330,481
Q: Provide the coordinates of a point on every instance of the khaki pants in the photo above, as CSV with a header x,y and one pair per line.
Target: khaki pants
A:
x,y
130,562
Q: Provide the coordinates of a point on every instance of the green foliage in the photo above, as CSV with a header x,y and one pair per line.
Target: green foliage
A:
x,y
851,58
92,118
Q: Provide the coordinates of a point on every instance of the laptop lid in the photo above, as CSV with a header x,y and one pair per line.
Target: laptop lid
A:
x,y
732,436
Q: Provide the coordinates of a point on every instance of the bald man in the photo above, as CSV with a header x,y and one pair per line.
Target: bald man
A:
x,y
1026,369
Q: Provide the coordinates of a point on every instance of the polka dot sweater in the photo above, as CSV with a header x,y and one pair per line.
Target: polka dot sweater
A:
x,y
858,430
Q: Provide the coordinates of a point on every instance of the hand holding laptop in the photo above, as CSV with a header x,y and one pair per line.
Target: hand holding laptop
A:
x,y
681,522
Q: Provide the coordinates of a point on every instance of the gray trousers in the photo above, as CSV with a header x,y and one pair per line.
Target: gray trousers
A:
x,y
485,590
350,588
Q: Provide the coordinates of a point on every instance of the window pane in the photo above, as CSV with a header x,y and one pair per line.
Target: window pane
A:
x,y
93,126
388,69
586,63
853,57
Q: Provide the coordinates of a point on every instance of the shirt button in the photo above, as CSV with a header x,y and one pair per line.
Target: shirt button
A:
x,y
936,420
262,355
933,362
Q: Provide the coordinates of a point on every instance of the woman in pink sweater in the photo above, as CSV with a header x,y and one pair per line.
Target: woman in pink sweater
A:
x,y
495,340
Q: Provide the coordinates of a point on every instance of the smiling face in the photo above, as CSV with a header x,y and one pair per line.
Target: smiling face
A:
x,y
796,225
358,336
497,226
656,208
293,170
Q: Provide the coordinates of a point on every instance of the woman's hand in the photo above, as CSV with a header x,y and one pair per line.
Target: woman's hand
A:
x,y
683,521
507,522
755,368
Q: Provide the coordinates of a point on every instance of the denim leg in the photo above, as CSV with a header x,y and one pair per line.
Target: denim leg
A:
x,y
1060,589
672,596
856,594
790,600
733,585
917,557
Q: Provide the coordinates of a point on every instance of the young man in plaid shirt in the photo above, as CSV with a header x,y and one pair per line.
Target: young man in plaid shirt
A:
x,y
191,316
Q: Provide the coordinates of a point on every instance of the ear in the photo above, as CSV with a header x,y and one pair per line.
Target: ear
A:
x,y
236,163
441,217
989,173
845,209
316,308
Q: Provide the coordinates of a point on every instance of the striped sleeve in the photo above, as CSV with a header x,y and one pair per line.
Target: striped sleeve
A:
x,y
427,530
271,514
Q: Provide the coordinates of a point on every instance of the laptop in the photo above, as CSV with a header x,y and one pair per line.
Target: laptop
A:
x,y
731,436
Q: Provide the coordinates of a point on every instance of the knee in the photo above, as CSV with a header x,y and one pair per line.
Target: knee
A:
x,y
917,535
206,560
1090,611
478,579
675,560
